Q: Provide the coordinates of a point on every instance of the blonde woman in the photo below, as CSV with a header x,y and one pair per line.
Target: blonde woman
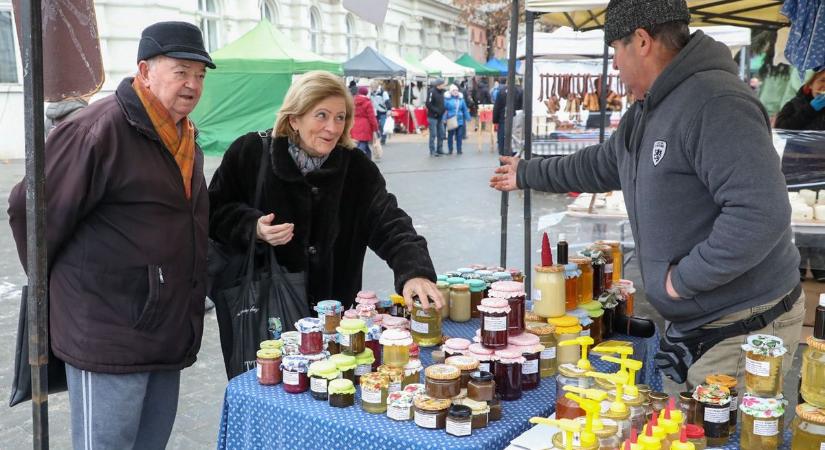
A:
x,y
323,203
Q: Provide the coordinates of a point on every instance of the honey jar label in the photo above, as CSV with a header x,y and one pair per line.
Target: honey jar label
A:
x,y
758,368
419,327
259,371
495,323
396,413
459,428
345,339
425,420
765,427
530,367
548,353
717,415
318,384
291,378
370,396
363,369
394,387
536,295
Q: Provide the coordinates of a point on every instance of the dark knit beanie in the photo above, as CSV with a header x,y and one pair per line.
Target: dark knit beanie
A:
x,y
623,17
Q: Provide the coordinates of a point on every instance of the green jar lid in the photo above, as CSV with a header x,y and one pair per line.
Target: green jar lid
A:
x,y
341,386
591,306
477,285
324,369
441,277
456,280
343,362
365,357
268,353
277,344
595,314
442,284
351,326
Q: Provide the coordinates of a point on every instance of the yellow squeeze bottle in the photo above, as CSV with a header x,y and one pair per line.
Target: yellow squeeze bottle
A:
x,y
682,443
648,441
584,342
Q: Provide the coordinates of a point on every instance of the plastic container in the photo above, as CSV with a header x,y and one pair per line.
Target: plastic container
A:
x,y
763,365
320,374
808,428
294,369
513,292
459,421
696,436
431,412
329,311
374,392
508,374
352,335
813,373
341,393
762,423
396,347
425,325
566,328
548,291
460,303
570,375
494,326
442,381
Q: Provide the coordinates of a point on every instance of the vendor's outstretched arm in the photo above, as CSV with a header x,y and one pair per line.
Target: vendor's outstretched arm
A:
x,y
592,169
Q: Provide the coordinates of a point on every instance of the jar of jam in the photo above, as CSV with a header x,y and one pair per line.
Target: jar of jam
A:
x,y
320,374
374,392
628,292
396,347
269,366
547,338
460,303
508,374
566,328
395,375
808,428
496,411
485,356
364,361
345,364
272,344
311,335
616,267
352,334
443,381
548,291
494,326
763,365
762,422
713,407
481,386
366,298
350,314
528,345
425,325
395,323
598,260
607,274
341,393
584,286
331,345
444,290
501,275
730,383
477,289
431,412
596,314
400,406
571,281
366,312
570,375
813,373
513,292
455,347
329,311
295,379
459,421
466,364
412,372
291,343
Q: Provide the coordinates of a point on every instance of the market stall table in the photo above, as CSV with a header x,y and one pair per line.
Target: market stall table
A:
x,y
421,117
403,119
256,416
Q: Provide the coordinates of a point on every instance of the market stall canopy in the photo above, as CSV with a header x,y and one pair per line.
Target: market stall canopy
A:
x,y
432,72
437,60
567,44
247,90
371,64
413,71
587,15
496,64
481,70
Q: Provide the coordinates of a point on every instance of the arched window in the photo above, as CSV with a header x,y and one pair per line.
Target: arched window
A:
x,y
351,44
378,39
269,11
402,40
210,17
315,30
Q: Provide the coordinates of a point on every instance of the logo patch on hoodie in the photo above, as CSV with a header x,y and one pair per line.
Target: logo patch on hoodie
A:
x,y
659,149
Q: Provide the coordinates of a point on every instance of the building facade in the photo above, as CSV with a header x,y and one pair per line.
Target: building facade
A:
x,y
415,27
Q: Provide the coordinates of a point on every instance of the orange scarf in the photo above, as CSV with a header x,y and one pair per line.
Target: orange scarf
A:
x,y
181,147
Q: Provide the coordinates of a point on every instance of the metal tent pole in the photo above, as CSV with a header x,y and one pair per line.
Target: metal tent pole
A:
x,y
507,150
528,148
35,182
603,95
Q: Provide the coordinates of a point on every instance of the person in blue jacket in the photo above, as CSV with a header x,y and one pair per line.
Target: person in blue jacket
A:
x,y
455,106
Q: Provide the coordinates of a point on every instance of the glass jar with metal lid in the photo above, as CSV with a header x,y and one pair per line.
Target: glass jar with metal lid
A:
x,y
513,292
494,327
442,381
395,375
268,368
712,406
808,428
346,364
570,375
566,328
548,291
482,386
635,404
431,412
528,345
459,421
763,365
444,290
547,338
485,356
730,383
584,288
352,335
460,303
396,347
616,268
466,364
813,373
320,374
341,393
571,281
763,422
425,325
374,392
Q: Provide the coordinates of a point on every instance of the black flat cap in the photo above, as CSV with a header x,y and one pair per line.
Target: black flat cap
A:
x,y
179,40
626,16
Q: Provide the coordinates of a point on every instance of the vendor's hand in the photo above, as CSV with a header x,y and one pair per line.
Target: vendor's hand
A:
x,y
505,176
425,290
671,292
818,103
274,234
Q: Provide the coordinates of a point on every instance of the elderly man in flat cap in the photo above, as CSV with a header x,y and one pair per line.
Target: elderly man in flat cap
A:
x,y
127,209
705,195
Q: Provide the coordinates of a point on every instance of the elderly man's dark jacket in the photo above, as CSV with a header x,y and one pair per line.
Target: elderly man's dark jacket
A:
x,y
338,210
126,248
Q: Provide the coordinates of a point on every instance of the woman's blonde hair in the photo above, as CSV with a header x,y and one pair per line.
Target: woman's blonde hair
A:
x,y
307,91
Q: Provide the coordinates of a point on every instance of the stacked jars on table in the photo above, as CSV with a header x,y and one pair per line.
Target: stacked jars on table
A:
x,y
730,383
396,347
508,374
320,374
513,292
566,328
528,345
547,338
374,392
495,313
329,312
763,423
455,347
713,412
485,356
466,364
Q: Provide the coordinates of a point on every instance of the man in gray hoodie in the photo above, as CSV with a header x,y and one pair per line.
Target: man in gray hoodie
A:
x,y
706,198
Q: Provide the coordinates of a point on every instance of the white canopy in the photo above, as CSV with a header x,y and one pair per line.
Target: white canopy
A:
x,y
412,71
436,60
565,43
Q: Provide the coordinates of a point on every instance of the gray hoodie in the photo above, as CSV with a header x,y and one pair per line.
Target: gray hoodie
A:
x,y
702,185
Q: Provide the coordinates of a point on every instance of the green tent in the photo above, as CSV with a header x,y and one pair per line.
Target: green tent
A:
x,y
247,88
416,63
481,70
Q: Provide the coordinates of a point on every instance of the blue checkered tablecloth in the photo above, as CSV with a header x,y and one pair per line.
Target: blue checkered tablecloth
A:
x,y
257,417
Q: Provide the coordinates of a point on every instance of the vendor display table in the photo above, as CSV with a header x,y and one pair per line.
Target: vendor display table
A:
x,y
421,117
256,416
403,119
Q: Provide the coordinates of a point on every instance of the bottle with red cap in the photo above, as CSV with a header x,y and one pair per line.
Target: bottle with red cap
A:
x,y
682,443
696,436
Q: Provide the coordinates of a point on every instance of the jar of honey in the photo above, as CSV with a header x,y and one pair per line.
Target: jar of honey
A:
x,y
549,291
762,423
730,383
584,287
571,282
547,338
566,328
712,406
570,375
444,290
460,303
808,428
813,373
396,347
763,365
616,270
425,325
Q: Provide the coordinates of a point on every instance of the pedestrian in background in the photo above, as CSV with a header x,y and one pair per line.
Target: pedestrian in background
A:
x,y
381,104
501,105
455,107
366,124
435,116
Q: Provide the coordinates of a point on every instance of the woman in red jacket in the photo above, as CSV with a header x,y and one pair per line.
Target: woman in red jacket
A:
x,y
365,125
